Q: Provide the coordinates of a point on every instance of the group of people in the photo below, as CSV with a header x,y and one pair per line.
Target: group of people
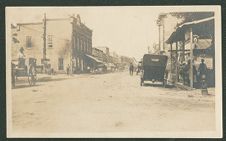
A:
x,y
198,74
132,68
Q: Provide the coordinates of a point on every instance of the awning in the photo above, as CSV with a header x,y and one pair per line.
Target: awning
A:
x,y
94,59
199,27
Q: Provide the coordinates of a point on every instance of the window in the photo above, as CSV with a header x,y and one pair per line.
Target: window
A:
x,y
85,47
60,64
50,40
28,42
82,46
75,40
79,44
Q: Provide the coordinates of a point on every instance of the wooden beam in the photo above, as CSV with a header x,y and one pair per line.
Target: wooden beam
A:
x,y
191,58
179,50
171,61
176,61
183,50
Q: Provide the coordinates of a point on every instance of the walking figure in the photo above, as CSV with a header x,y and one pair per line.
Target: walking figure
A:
x,y
131,69
68,68
202,70
138,68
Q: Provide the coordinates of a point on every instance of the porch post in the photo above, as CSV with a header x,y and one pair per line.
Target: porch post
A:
x,y
183,50
191,58
72,47
171,55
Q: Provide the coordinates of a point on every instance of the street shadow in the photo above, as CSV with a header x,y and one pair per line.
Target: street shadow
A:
x,y
25,86
152,85
157,85
47,79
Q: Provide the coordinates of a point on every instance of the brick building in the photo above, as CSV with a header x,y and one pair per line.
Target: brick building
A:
x,y
99,54
82,46
65,46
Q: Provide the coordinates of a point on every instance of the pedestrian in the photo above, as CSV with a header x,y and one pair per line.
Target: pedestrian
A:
x,y
138,68
181,71
202,70
131,69
21,53
21,58
186,72
68,67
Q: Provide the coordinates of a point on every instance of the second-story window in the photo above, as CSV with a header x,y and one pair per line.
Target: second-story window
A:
x,y
79,44
82,45
50,40
28,42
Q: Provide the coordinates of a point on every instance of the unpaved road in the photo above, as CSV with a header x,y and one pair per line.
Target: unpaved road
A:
x,y
107,103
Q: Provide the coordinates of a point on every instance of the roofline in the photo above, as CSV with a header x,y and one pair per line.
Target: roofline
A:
x,y
97,49
196,22
58,19
188,24
36,23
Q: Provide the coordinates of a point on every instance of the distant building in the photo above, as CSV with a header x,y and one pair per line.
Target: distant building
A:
x,y
105,49
97,53
115,58
67,42
126,60
82,45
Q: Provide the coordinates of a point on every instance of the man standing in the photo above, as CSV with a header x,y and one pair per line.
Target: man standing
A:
x,y
131,69
68,69
202,70
186,69
21,53
21,58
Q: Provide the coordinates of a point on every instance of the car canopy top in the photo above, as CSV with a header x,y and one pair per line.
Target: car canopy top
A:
x,y
154,60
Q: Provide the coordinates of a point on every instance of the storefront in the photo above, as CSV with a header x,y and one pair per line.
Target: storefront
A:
x,y
190,43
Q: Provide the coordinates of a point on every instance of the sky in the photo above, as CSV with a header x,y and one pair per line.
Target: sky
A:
x,y
125,30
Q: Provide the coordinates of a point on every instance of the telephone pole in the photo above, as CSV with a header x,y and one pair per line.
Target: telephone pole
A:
x,y
163,35
44,37
159,26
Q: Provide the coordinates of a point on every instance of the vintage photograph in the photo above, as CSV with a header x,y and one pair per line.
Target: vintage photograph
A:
x,y
114,71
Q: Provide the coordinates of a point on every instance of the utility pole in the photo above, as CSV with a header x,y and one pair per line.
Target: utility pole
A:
x,y
71,57
72,45
191,58
44,37
159,38
159,25
163,35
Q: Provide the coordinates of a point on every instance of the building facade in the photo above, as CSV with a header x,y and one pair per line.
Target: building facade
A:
x,y
28,36
81,46
99,54
61,47
106,55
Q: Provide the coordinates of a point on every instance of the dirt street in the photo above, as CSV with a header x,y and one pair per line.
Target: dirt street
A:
x,y
107,103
